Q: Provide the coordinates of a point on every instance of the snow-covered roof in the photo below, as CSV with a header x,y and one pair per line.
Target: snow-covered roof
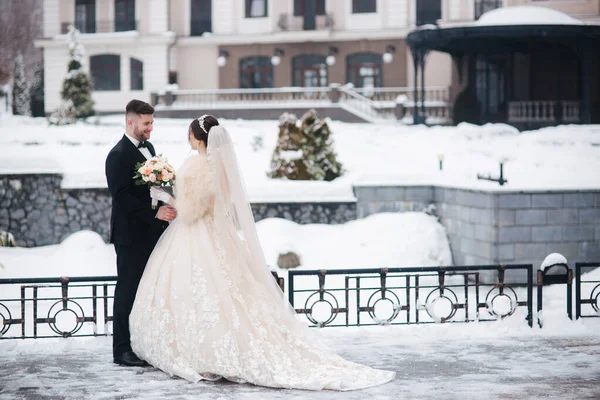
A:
x,y
526,15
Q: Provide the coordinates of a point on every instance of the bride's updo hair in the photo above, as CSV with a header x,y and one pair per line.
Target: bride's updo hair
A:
x,y
200,127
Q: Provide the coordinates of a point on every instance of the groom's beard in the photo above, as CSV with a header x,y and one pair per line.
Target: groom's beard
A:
x,y
140,134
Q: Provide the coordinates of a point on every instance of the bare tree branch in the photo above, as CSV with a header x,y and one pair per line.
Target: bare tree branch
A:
x,y
20,24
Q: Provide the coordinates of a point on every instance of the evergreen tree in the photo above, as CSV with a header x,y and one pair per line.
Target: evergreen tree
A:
x,y
21,99
304,151
77,86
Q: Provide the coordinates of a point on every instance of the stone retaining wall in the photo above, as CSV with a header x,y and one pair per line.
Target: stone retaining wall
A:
x,y
38,212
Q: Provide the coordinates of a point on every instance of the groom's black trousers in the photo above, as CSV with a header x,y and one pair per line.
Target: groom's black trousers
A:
x,y
131,262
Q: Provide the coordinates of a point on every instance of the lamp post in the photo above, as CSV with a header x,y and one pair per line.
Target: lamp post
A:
x,y
500,179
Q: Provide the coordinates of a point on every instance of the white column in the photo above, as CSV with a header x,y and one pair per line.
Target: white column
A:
x,y
158,16
187,17
396,14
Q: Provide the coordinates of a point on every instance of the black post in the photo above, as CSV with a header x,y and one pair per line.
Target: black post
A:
x,y
586,67
577,291
291,288
416,92
540,295
423,115
530,295
558,114
570,293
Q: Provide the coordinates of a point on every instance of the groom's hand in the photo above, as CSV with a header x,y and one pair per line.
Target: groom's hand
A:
x,y
166,213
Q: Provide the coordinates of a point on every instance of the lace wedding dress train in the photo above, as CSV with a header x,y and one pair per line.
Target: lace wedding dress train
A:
x,y
203,312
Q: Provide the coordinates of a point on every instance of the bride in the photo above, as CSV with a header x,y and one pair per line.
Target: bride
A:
x,y
207,306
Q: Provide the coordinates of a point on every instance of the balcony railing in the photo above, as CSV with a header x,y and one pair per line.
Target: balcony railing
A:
x,y
288,22
103,26
371,104
543,111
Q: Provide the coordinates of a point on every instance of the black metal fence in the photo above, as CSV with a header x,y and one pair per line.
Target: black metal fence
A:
x,y
32,308
587,292
51,307
82,306
393,296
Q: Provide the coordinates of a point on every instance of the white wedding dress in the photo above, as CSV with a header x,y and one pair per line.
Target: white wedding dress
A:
x,y
207,306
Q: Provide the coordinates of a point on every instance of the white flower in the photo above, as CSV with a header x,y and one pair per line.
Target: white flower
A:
x,y
152,178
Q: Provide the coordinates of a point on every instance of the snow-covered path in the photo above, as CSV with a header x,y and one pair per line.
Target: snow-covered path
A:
x,y
435,362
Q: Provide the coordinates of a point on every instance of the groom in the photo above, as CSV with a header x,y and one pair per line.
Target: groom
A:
x,y
135,227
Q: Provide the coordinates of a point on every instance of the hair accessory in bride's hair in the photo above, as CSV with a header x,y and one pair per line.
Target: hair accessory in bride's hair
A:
x,y
201,122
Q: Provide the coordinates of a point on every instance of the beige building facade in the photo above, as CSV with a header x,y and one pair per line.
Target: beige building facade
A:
x,y
137,47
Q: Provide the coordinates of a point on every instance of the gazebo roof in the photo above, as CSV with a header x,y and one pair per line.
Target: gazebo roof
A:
x,y
525,15
505,29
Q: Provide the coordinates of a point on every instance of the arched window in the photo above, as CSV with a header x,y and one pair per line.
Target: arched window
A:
x,y
106,72
309,71
364,69
256,72
136,74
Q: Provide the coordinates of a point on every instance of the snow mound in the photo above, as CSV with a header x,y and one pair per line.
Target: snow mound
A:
x,y
380,240
553,259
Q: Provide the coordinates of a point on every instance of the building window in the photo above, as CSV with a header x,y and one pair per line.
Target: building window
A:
x,y
256,72
137,74
124,15
106,72
364,6
483,6
256,8
309,71
299,7
201,17
428,11
364,70
85,16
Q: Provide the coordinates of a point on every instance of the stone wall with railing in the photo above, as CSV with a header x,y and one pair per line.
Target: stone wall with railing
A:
x,y
483,227
491,227
38,212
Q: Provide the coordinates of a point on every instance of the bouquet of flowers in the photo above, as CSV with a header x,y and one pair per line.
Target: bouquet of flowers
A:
x,y
155,172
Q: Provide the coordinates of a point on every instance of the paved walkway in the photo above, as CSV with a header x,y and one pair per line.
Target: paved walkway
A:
x,y
555,368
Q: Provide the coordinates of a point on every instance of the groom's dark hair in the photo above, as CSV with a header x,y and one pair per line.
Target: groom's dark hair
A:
x,y
138,107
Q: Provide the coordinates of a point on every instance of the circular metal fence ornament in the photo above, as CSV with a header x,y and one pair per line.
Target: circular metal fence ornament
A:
x,y
501,304
318,309
4,315
75,313
379,306
442,307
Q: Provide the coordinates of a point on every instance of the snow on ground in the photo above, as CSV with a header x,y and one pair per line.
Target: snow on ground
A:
x,y
497,360
411,239
564,157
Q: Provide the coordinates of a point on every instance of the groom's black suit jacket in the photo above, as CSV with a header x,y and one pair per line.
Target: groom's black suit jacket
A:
x,y
134,232
133,221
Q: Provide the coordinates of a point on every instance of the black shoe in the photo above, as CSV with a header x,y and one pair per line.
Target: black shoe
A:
x,y
129,359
